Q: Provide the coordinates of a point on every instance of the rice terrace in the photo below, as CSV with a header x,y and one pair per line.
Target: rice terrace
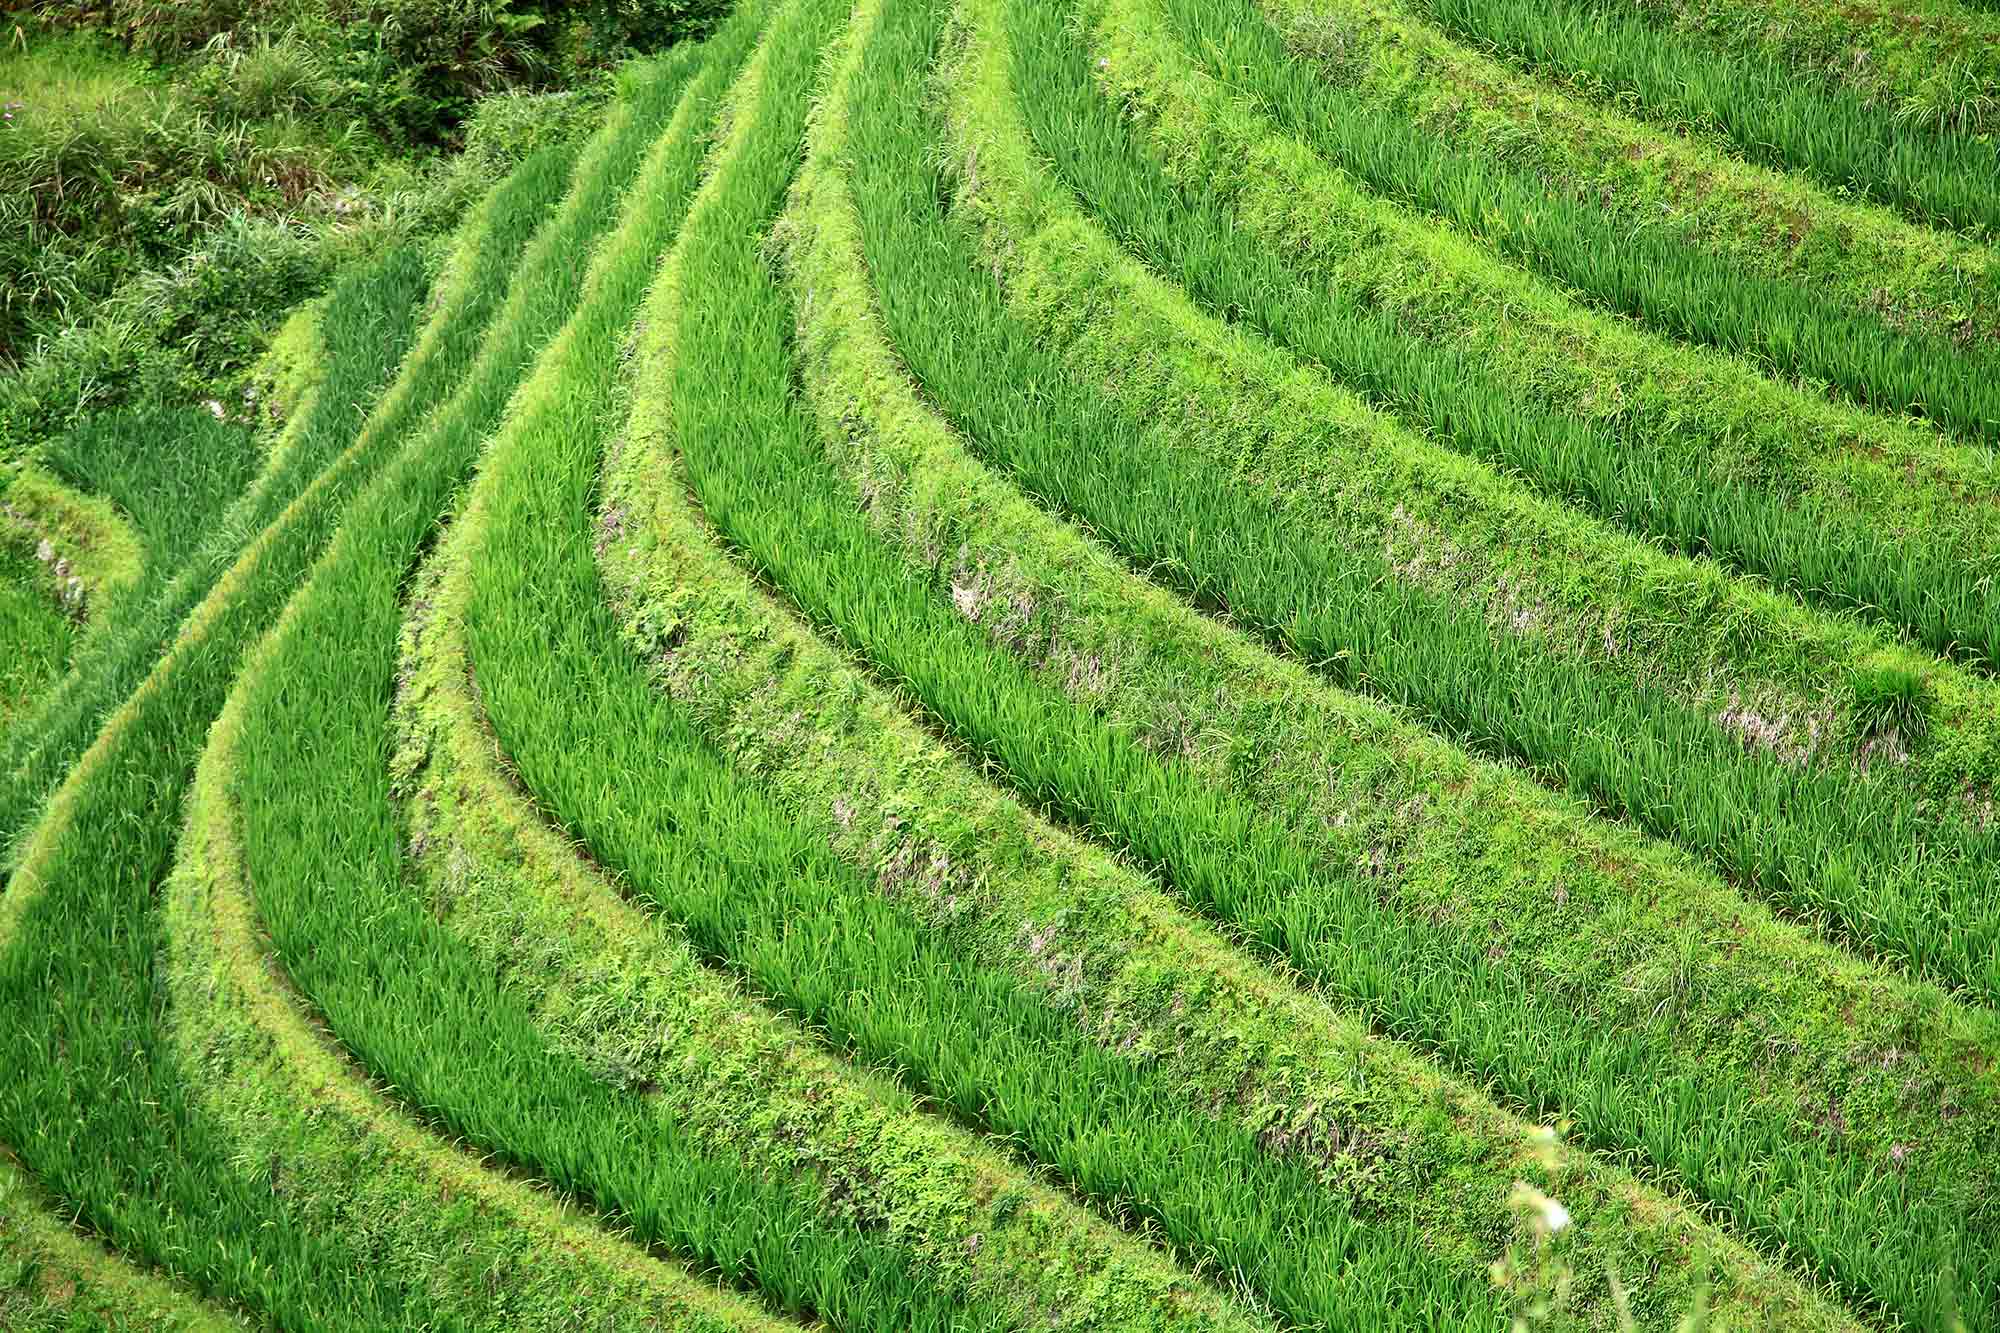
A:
x,y
1001,664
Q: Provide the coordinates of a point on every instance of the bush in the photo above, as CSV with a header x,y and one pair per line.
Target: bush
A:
x,y
410,70
158,220
177,334
103,175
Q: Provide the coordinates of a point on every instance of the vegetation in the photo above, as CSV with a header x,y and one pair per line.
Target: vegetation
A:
x,y
54,1279
1677,284
81,910
173,176
1801,85
980,664
1767,222
37,634
1360,549
1277,854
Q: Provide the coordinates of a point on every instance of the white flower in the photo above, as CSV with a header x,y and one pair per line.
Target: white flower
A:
x,y
1554,1214
1548,1213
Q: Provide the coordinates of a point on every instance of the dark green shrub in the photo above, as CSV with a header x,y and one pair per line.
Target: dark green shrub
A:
x,y
602,30
159,27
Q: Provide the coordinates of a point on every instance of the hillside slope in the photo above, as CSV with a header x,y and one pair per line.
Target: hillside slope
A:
x,y
1117,664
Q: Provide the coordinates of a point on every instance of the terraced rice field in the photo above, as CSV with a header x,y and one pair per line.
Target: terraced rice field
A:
x,y
1026,664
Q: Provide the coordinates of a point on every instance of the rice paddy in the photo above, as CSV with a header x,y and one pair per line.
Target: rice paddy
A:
x,y
1078,664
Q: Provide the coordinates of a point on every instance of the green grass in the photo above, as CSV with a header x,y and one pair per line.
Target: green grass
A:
x,y
1888,50
106,168
91,555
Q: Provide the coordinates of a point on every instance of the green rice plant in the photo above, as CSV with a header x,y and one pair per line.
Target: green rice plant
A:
x,y
66,559
369,323
304,1119
114,506
1881,50
1760,220
1642,272
1307,903
76,560
325,453
628,995
631,998
1686,448
1891,700
802,812
79,939
1846,134
37,632
173,472
1245,507
780,706
1436,840
733,867
422,1008
53,1279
